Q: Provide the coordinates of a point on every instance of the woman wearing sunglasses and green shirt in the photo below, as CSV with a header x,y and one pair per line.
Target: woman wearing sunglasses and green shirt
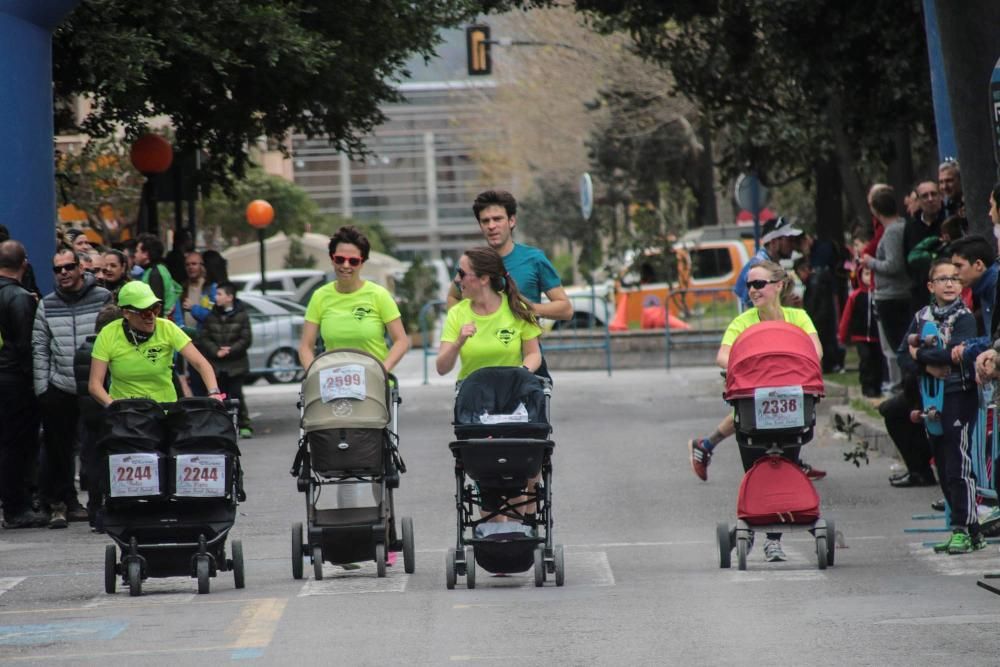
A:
x,y
352,312
139,352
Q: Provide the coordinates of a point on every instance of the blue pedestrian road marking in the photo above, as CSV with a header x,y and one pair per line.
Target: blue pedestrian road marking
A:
x,y
50,633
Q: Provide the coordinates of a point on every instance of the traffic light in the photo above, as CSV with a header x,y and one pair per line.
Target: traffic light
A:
x,y
477,48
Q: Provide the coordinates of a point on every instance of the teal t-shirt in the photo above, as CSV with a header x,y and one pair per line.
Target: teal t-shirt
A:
x,y
532,271
498,337
356,320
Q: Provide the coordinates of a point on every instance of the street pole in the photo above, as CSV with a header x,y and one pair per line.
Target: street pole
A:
x,y
260,241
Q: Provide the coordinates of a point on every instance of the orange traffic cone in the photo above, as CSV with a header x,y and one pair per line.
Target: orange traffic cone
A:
x,y
677,323
620,322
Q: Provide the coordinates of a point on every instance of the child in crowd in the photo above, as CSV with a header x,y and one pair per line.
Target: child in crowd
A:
x,y
951,449
225,339
859,325
919,259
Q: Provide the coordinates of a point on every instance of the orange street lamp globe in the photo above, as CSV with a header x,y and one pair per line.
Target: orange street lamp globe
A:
x,y
151,154
259,213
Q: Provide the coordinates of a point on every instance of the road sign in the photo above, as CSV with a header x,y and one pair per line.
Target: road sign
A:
x,y
750,194
586,196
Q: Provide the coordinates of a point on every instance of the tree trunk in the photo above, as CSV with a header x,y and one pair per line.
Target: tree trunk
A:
x,y
704,192
970,48
900,164
850,181
829,203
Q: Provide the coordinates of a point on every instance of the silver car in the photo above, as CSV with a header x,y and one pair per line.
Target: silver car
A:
x,y
277,327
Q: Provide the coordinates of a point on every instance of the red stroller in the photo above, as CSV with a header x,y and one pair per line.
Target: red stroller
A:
x,y
774,382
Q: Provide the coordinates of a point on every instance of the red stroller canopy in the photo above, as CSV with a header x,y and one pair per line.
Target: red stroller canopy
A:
x,y
773,354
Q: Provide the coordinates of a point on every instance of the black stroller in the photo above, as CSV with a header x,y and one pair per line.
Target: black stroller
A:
x,y
502,443
170,485
348,408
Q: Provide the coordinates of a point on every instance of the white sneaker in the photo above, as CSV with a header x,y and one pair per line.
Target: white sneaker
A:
x,y
773,551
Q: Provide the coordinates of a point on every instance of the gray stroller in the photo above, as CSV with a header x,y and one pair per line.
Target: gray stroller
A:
x,y
348,408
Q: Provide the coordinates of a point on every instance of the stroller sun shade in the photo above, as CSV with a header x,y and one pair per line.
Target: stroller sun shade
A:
x,y
773,354
345,389
501,402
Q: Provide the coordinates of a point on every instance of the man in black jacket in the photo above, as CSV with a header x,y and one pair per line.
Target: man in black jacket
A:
x,y
19,426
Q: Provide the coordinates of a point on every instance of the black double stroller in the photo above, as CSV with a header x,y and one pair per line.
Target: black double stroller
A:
x,y
170,484
502,443
348,439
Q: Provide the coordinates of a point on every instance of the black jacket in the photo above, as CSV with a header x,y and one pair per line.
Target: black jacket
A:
x,y
17,316
227,328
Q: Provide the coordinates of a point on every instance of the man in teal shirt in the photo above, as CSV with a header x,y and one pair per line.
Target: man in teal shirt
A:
x,y
496,212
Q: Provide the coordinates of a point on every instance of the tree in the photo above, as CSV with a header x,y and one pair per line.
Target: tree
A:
x,y
416,289
229,72
224,213
296,257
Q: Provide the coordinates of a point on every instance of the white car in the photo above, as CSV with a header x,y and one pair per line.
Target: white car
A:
x,y
292,284
592,307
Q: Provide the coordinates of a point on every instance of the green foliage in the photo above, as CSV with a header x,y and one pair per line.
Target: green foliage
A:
x,y
552,216
293,209
563,262
296,257
229,72
418,287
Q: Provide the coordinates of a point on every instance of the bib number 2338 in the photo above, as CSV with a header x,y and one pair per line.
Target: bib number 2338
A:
x,y
779,407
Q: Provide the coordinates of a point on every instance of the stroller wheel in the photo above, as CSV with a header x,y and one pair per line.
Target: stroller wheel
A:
x,y
742,545
449,569
110,569
725,546
318,563
134,578
539,566
821,553
409,553
831,541
297,553
557,558
470,567
380,560
238,564
204,572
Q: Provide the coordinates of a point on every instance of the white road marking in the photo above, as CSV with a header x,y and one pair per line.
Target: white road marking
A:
x,y
971,619
973,564
337,581
7,583
583,569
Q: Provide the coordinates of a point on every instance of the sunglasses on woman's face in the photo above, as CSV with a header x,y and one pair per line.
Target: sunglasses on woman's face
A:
x,y
340,259
460,273
760,284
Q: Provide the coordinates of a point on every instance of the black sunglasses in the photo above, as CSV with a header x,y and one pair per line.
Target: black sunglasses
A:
x,y
340,259
760,284
460,273
64,267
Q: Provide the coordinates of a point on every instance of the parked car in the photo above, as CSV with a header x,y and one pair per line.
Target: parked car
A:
x,y
292,284
277,327
592,307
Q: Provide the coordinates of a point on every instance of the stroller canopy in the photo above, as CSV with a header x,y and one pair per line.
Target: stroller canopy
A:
x,y
345,389
773,354
501,391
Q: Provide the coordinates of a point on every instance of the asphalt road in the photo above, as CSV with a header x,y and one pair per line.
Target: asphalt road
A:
x,y
643,583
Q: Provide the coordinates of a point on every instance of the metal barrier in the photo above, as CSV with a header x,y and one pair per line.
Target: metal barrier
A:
x,y
709,310
427,330
587,330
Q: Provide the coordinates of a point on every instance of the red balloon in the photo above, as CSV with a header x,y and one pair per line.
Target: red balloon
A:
x,y
151,154
259,213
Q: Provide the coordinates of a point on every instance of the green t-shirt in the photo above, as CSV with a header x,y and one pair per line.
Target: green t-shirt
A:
x,y
356,320
498,337
144,370
744,321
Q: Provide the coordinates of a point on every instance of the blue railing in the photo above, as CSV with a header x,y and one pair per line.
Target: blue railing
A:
x,y
429,310
707,317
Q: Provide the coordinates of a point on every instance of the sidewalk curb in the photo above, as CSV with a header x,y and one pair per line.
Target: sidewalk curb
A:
x,y
857,425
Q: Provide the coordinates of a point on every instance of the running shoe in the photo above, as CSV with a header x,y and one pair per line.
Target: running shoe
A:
x,y
246,433
978,542
773,551
938,505
57,519
390,559
960,543
701,456
812,473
